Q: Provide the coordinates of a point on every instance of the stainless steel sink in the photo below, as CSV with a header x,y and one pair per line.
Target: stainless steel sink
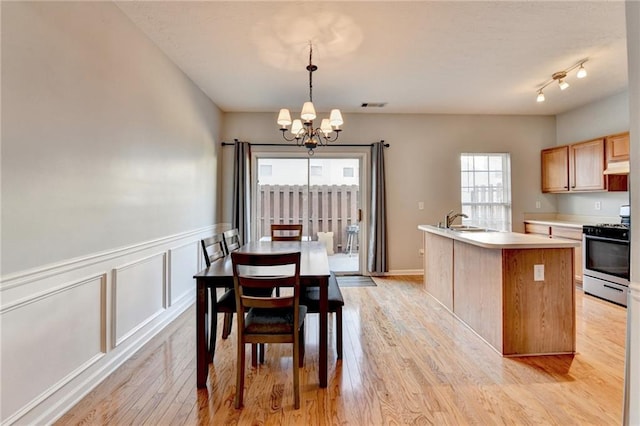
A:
x,y
467,228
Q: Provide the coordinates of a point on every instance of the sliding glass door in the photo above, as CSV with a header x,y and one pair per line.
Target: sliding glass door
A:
x,y
324,194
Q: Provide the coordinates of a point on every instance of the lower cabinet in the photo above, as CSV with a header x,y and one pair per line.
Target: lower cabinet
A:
x,y
559,231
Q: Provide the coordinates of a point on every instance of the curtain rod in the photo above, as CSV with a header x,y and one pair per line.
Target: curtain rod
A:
x,y
386,145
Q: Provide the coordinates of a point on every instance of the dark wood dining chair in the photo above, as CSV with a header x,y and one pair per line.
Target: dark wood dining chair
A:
x,y
286,232
213,249
310,297
269,319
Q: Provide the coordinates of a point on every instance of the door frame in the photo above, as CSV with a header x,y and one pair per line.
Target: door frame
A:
x,y
362,154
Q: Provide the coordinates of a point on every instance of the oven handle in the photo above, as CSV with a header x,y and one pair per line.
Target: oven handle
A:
x,y
615,240
613,288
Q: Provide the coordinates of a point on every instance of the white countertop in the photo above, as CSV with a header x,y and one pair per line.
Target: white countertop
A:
x,y
501,240
553,222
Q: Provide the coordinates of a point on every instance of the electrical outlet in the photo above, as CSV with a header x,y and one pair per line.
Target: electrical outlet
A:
x,y
538,272
598,205
537,204
420,205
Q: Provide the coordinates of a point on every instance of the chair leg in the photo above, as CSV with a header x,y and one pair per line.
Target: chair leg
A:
x,y
339,332
213,329
261,352
296,371
228,323
302,346
240,375
254,354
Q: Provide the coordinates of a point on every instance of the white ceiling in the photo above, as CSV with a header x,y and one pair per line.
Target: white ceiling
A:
x,y
419,56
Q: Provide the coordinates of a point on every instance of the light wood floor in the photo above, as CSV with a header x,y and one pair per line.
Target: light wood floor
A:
x,y
406,361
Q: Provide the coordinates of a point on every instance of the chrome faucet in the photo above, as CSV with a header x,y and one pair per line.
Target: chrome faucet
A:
x,y
450,217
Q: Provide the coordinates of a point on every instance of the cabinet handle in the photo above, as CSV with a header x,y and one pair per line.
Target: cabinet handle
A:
x,y
566,187
573,186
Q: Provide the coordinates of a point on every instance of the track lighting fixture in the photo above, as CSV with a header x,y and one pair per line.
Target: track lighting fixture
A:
x,y
560,77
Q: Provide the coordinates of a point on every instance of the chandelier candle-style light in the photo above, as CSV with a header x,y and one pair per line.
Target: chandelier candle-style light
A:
x,y
302,129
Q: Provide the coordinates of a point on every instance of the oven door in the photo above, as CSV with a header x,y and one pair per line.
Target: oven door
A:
x,y
606,258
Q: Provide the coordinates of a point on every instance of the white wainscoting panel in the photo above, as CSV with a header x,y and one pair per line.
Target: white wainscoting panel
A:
x,y
182,261
138,295
50,338
66,326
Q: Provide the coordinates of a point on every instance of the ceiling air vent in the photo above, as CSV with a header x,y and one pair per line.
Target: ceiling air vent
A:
x,y
373,104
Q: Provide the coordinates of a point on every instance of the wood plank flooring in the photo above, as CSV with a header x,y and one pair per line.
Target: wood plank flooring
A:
x,y
406,361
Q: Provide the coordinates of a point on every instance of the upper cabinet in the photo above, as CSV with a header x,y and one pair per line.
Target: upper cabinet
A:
x,y
586,166
555,169
617,147
580,167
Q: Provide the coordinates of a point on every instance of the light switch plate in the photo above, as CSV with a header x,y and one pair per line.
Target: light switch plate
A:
x,y
538,272
420,205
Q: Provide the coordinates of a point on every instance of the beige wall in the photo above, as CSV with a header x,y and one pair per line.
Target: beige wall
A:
x,y
605,117
422,164
109,179
105,142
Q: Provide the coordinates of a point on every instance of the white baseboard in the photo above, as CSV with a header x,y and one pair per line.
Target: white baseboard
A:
x,y
404,272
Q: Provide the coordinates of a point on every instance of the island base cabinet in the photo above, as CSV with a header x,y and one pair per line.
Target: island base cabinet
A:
x,y
438,268
494,290
539,316
478,291
495,294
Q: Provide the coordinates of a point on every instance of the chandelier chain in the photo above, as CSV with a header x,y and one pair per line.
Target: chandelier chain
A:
x,y
310,68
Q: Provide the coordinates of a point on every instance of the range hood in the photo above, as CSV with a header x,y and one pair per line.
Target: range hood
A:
x,y
617,168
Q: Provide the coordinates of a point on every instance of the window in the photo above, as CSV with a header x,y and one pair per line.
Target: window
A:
x,y
486,190
347,172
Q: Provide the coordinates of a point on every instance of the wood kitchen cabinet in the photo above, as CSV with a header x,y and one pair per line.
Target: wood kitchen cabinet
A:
x,y
555,169
574,168
586,166
617,152
617,147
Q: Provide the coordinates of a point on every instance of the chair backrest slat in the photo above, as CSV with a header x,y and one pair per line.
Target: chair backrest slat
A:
x,y
286,232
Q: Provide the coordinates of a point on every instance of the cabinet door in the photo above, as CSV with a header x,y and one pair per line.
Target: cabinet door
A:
x,y
617,147
555,169
586,166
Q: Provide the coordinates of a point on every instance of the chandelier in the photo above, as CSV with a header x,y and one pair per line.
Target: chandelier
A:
x,y
302,130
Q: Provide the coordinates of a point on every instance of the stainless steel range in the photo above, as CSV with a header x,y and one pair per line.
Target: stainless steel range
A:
x,y
606,252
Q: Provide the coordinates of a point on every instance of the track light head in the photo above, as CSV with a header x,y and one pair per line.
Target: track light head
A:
x,y
582,73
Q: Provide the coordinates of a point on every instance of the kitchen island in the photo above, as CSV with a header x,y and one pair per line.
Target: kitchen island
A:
x,y
487,280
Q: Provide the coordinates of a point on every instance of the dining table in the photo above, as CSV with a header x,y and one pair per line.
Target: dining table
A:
x,y
314,272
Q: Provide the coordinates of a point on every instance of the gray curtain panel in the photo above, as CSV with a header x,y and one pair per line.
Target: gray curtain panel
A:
x,y
377,253
241,189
